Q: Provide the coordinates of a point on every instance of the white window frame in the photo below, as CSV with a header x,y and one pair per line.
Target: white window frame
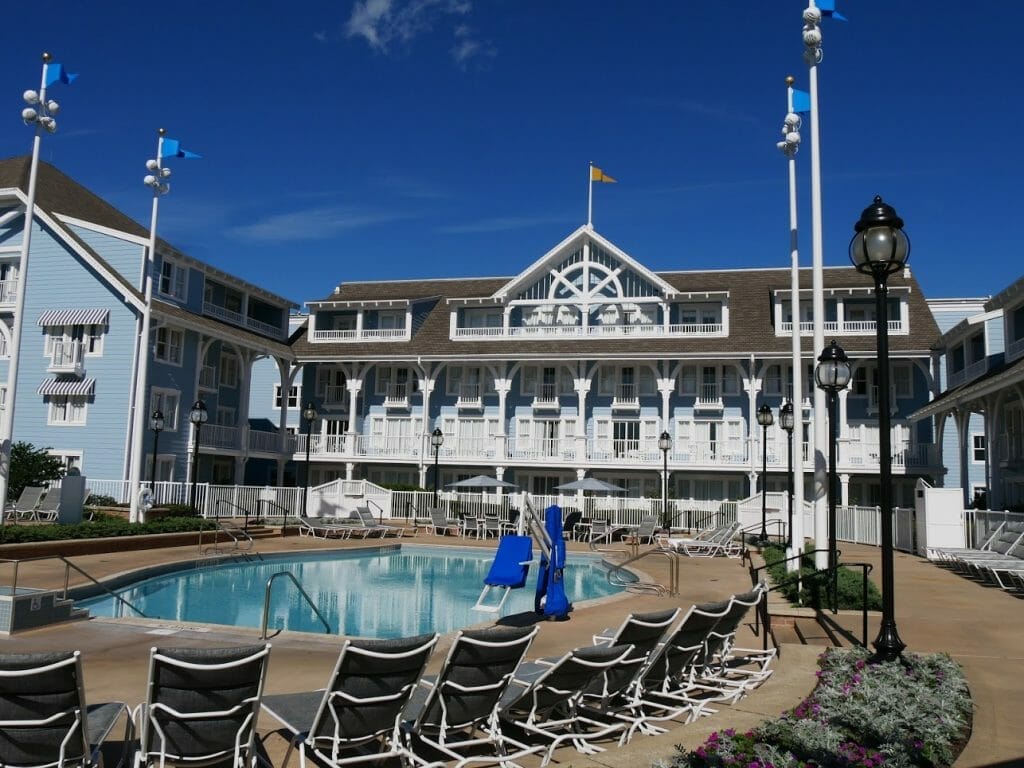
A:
x,y
3,397
61,410
773,385
163,461
897,380
160,399
76,456
169,334
294,396
229,370
975,437
176,277
381,382
91,337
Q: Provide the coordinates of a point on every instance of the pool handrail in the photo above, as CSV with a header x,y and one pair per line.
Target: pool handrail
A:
x,y
305,595
68,565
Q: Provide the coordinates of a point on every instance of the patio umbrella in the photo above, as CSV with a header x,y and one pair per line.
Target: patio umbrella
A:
x,y
590,484
481,482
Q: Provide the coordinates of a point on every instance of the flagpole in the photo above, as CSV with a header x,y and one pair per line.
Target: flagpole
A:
x,y
812,56
791,130
590,195
156,181
43,121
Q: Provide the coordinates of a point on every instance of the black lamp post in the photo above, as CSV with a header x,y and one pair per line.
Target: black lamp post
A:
x,y
156,423
787,422
436,441
832,374
664,444
198,416
765,419
309,416
880,248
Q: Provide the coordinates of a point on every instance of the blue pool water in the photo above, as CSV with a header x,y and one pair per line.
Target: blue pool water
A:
x,y
392,592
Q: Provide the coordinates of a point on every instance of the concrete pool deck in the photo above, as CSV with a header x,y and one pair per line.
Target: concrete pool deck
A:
x,y
936,611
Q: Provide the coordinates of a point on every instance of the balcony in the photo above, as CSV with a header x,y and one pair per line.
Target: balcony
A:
x,y
260,441
470,397
335,394
546,398
67,358
8,292
844,328
626,398
866,455
366,334
400,446
640,330
1015,349
219,436
237,318
970,373
208,378
396,395
709,398
546,449
717,453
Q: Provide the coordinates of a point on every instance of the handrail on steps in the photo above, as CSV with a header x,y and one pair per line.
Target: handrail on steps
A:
x,y
266,602
673,572
380,510
68,565
236,534
231,505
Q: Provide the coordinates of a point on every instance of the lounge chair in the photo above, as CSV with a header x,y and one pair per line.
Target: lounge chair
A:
x,y
24,507
729,667
368,525
44,720
645,532
509,571
357,718
718,542
323,529
456,713
544,700
48,508
600,530
470,526
441,525
201,706
492,526
569,525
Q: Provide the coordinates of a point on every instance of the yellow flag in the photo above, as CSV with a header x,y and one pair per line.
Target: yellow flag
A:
x,y
596,174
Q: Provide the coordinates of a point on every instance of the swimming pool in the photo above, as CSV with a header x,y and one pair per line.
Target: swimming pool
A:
x,y
389,592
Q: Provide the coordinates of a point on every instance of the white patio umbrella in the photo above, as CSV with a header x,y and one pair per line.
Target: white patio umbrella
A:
x,y
481,482
591,484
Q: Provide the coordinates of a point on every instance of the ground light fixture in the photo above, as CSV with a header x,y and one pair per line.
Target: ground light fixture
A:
x,y
787,422
198,416
880,248
436,441
765,418
832,375
309,415
664,445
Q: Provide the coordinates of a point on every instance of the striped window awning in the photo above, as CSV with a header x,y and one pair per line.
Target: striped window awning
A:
x,y
79,387
74,317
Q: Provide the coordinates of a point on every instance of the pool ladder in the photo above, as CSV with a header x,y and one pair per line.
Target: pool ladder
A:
x,y
306,597
615,571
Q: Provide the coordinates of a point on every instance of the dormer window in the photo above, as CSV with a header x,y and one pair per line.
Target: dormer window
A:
x,y
173,280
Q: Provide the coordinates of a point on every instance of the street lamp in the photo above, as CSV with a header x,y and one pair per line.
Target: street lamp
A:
x,y
832,374
765,419
309,416
787,422
436,441
880,248
664,444
198,416
156,423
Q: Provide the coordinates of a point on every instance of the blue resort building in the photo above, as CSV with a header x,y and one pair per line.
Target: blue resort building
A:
x,y
80,330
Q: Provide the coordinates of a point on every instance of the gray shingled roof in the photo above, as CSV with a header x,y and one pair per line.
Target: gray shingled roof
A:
x,y
751,328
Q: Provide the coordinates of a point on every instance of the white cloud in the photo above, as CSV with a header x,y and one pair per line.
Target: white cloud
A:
x,y
383,23
313,224
467,47
499,224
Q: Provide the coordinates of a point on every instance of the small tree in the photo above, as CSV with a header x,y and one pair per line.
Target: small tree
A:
x,y
31,466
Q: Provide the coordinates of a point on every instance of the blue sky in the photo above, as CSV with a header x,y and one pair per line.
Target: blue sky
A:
x,y
384,139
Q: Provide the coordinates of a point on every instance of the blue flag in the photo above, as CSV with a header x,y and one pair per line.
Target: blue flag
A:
x,y
56,72
801,102
828,8
172,148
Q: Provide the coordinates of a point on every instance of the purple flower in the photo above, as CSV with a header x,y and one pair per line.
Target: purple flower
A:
x,y
699,752
860,664
856,679
730,731
918,744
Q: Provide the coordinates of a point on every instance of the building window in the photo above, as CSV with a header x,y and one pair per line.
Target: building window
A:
x,y
90,336
167,401
229,371
164,467
773,380
294,393
396,382
67,409
225,416
69,459
3,397
978,449
903,381
172,280
168,345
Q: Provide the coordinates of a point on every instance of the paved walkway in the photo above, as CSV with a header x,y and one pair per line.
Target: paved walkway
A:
x,y
936,611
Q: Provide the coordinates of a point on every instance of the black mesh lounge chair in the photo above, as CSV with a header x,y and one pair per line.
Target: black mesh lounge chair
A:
x,y
201,706
357,717
457,713
44,720
729,667
25,506
544,699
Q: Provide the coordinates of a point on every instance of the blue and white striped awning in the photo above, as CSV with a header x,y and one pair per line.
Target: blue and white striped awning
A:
x,y
74,317
80,387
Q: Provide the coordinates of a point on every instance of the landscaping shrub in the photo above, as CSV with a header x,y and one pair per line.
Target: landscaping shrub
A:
x,y
99,500
31,466
100,528
849,586
905,713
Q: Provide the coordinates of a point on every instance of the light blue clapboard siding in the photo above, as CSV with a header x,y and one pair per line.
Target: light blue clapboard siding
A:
x,y
124,256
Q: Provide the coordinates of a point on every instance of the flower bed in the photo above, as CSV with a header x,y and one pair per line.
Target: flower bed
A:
x,y
860,715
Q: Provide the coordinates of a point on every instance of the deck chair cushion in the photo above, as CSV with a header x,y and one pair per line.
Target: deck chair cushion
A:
x,y
507,569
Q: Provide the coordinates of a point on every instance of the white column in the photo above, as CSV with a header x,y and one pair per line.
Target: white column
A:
x,y
354,386
582,387
502,386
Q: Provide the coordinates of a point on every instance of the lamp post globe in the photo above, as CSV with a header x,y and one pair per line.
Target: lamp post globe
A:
x,y
832,375
436,441
156,423
309,415
198,416
881,248
787,421
664,445
765,419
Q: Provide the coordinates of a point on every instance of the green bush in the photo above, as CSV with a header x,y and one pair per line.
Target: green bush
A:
x,y
31,466
179,510
97,529
849,584
99,500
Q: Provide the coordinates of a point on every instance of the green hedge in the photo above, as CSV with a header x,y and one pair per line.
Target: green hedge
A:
x,y
849,588
101,528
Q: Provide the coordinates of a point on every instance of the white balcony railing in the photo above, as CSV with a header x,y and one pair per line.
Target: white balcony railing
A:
x,y
366,334
470,396
639,330
67,357
220,436
845,328
208,377
545,449
270,442
396,446
8,291
237,318
335,394
717,453
547,396
396,395
469,448
626,396
709,397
